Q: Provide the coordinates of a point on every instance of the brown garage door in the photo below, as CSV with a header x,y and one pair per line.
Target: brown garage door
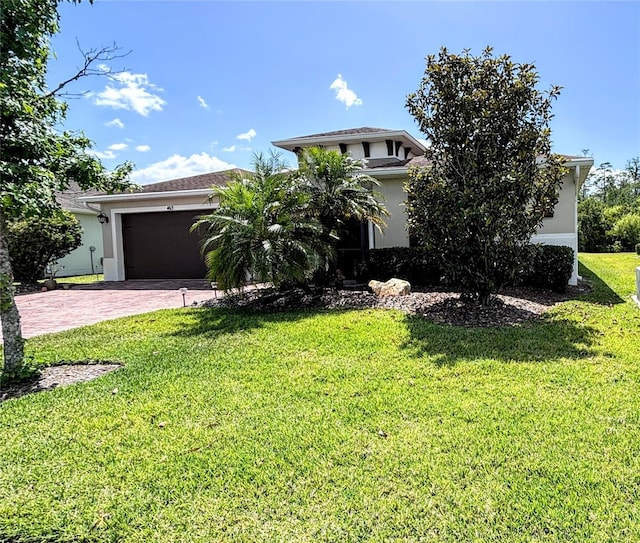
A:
x,y
160,246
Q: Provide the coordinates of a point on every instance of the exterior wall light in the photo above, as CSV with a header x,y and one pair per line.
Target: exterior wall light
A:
x,y
102,218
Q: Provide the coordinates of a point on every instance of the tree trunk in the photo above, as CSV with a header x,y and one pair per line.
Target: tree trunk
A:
x,y
11,331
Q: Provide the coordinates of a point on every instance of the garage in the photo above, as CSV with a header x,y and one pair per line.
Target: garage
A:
x,y
158,245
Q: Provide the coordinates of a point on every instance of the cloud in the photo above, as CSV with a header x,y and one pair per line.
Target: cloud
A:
x,y
229,149
203,103
131,92
117,146
247,135
344,94
108,155
143,148
116,122
177,166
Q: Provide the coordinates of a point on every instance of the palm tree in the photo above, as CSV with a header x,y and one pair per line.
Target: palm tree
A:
x,y
339,191
261,230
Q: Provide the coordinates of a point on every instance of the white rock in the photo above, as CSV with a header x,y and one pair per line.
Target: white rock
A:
x,y
393,287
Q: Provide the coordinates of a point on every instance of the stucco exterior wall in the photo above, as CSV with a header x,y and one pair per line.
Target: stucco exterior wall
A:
x,y
395,234
564,215
79,261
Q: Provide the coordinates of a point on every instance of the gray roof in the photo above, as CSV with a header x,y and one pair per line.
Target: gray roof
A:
x,y
70,199
202,181
347,132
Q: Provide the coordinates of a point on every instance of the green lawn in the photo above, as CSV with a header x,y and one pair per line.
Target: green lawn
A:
x,y
336,426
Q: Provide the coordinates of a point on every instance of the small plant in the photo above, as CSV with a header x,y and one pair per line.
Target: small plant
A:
x,y
638,249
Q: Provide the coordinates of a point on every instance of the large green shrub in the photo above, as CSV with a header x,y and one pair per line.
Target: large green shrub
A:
x,y
626,231
592,226
543,266
417,265
547,266
38,241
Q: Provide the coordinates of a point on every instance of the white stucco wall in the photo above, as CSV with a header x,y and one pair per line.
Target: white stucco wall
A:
x,y
78,262
395,234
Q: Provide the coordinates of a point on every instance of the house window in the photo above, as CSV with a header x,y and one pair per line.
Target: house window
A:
x,y
407,150
398,147
365,147
389,147
548,213
343,148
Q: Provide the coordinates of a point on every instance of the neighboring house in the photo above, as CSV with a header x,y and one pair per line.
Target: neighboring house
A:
x,y
147,234
86,259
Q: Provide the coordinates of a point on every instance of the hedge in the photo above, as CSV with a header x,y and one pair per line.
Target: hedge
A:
x,y
546,266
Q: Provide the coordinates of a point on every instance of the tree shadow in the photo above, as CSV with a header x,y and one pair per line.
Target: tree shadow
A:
x,y
601,293
548,338
213,322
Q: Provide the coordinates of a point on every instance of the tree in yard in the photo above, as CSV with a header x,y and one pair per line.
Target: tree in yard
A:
x,y
491,176
38,242
36,159
261,230
338,191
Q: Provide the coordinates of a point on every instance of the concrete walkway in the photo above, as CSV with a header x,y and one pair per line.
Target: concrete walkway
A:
x,y
57,310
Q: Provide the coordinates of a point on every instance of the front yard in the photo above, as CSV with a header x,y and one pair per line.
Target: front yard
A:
x,y
336,426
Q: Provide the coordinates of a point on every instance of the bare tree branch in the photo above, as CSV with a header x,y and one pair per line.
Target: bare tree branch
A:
x,y
94,65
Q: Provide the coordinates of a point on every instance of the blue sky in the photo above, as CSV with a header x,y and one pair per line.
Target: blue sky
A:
x,y
208,83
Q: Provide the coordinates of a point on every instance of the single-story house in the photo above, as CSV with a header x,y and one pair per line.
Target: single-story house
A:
x,y
147,233
86,259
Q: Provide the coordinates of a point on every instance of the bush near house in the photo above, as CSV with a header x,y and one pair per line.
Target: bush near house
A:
x,y
37,241
545,266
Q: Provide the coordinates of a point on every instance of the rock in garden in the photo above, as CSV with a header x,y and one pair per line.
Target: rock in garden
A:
x,y
393,287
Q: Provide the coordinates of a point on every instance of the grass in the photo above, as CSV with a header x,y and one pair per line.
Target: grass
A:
x,y
336,426
82,279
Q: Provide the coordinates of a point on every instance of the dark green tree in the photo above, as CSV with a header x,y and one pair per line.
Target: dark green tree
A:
x,y
592,225
36,159
38,242
491,176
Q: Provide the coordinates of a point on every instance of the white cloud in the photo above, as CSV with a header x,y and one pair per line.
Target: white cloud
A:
x,y
344,94
426,143
177,166
202,102
118,146
102,155
116,122
143,148
247,135
229,149
132,92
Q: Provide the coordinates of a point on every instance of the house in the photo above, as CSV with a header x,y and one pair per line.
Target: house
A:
x,y
146,233
86,259
148,237
390,153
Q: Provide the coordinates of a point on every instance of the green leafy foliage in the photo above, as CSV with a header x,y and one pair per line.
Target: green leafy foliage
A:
x,y
542,266
261,230
36,159
39,241
279,227
592,225
626,231
491,175
417,265
547,266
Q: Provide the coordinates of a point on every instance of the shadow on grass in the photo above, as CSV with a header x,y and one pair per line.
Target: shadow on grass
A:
x,y
602,293
544,340
216,321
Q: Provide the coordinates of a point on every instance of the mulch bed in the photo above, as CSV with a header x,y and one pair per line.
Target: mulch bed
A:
x,y
54,376
512,307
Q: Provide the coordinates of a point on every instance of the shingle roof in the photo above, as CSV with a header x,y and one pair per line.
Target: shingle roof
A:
x,y
70,198
202,181
414,161
347,132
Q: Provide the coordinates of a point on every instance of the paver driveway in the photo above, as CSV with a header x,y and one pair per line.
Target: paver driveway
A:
x,y
57,310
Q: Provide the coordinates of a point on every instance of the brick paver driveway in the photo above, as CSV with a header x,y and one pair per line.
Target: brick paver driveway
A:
x,y
56,310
